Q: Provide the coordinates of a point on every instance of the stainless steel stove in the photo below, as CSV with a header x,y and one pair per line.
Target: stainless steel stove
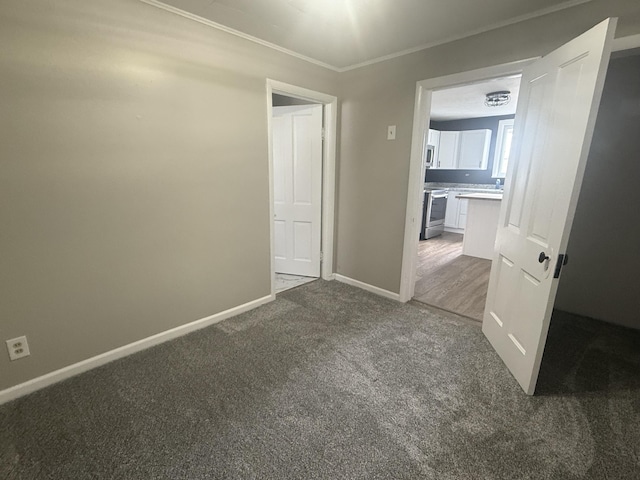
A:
x,y
435,208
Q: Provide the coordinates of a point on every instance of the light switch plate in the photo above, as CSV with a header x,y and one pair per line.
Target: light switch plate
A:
x,y
391,132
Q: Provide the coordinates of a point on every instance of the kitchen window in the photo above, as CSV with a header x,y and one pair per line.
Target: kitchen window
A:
x,y
503,148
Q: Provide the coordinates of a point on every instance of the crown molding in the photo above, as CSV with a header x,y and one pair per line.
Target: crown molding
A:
x,y
237,33
494,26
264,43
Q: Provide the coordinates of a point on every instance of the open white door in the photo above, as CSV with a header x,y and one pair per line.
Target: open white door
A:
x,y
297,189
555,117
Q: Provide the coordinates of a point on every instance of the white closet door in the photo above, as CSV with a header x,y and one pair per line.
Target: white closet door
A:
x,y
297,171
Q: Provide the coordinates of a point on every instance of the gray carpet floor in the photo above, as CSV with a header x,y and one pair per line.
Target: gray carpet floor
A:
x,y
332,382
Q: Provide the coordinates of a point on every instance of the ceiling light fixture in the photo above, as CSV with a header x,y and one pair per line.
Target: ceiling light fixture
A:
x,y
497,99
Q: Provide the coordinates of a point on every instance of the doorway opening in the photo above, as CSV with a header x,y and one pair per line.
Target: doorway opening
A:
x,y
468,144
302,132
449,147
553,132
297,189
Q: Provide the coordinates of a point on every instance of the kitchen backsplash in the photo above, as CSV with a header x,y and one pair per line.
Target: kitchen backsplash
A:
x,y
474,177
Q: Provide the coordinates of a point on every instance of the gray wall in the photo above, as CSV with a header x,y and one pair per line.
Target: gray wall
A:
x,y
374,172
133,160
601,278
469,176
134,181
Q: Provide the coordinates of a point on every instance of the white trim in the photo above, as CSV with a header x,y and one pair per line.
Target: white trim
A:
x,y
264,43
369,288
330,122
69,371
237,33
494,26
421,120
626,43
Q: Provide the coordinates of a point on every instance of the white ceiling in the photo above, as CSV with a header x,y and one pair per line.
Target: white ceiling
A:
x,y
467,101
345,33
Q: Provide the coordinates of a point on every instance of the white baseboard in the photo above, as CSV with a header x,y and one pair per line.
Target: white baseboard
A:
x,y
56,376
369,288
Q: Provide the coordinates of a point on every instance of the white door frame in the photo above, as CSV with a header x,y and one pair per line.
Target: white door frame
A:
x,y
329,123
421,120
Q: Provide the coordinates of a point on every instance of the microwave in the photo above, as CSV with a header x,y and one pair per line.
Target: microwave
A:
x,y
429,154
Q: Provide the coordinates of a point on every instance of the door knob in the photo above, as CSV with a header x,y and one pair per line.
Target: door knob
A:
x,y
542,257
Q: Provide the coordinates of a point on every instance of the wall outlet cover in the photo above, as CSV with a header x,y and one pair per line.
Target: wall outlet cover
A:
x,y
18,348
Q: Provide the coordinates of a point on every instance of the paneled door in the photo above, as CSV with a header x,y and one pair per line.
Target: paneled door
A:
x,y
555,117
297,177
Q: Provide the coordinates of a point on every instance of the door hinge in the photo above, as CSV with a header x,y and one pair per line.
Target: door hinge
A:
x,y
321,256
323,134
563,259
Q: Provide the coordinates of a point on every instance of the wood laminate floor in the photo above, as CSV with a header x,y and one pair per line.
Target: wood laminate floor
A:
x,y
447,279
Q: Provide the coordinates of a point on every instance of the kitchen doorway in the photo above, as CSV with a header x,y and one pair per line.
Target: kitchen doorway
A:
x,y
467,146
553,134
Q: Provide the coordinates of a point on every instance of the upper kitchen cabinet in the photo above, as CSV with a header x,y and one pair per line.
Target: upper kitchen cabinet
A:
x,y
474,149
434,140
447,155
463,150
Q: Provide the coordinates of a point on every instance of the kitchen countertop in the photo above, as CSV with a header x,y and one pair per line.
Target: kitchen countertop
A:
x,y
481,196
463,187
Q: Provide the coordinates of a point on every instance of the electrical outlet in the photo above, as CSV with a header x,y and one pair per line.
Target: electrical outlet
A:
x,y
18,348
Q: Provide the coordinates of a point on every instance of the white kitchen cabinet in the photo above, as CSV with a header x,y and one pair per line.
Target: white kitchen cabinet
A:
x,y
448,150
434,137
480,234
466,149
451,215
456,215
473,152
434,140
